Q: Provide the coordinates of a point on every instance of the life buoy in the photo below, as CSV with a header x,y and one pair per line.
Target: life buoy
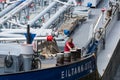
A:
x,y
8,61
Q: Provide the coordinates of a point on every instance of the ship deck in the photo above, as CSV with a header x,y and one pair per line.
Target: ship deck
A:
x,y
112,39
81,36
81,33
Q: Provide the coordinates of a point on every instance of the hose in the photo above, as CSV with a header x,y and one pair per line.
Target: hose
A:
x,y
8,61
36,63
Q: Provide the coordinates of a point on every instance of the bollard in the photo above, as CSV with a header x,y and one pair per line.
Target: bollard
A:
x,y
67,57
73,55
109,13
60,59
78,55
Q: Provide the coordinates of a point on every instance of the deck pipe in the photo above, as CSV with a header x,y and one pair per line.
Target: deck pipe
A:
x,y
37,17
10,7
57,14
14,11
31,22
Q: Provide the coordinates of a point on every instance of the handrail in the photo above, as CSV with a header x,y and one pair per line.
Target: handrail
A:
x,y
108,21
106,24
97,22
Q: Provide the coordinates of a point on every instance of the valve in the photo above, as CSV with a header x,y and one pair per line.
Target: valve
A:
x,y
49,38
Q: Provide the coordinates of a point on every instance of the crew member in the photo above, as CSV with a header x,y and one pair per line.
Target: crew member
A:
x,y
69,45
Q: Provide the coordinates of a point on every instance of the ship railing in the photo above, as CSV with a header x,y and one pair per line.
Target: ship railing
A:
x,y
110,22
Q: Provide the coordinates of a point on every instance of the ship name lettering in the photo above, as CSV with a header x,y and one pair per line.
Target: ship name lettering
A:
x,y
76,70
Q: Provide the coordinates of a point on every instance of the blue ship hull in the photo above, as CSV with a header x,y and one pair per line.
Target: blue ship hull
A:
x,y
75,70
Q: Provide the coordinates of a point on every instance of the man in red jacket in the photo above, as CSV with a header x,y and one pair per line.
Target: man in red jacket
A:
x,y
69,45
